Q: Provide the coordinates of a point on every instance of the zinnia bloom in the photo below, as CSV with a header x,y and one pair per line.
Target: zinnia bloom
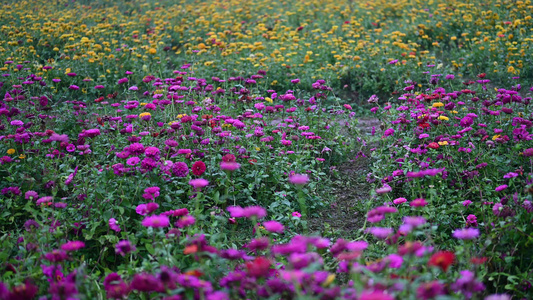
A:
x,y
274,226
442,259
466,233
198,183
299,179
156,221
73,245
198,168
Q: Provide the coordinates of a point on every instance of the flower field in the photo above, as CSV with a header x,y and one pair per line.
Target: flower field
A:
x,y
184,149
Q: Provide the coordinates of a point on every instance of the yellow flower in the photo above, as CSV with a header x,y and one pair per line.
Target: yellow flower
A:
x,y
22,156
143,103
438,104
329,280
443,118
181,116
443,143
144,114
267,99
257,149
152,51
495,137
11,151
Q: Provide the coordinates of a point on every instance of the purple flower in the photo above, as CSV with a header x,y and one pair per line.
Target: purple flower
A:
x,y
510,175
31,195
124,247
74,87
466,233
156,221
180,169
467,284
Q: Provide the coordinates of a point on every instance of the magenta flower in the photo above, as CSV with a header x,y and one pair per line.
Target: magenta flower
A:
x,y
380,232
156,221
388,132
399,200
501,188
420,202
185,221
466,233
113,224
229,166
123,80
254,211
299,179
99,87
132,161
74,87
198,183
274,226
73,246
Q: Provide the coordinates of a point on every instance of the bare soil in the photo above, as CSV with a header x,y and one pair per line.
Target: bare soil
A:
x,y
345,216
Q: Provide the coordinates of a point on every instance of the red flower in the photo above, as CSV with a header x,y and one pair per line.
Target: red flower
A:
x,y
198,168
442,259
229,158
478,260
433,145
482,75
259,267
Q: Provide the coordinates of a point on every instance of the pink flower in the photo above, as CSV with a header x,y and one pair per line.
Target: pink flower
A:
x,y
399,200
198,183
299,179
296,214
274,226
156,221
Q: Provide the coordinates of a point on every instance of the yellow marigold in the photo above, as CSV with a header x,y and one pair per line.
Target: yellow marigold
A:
x,y
11,151
438,104
152,51
144,114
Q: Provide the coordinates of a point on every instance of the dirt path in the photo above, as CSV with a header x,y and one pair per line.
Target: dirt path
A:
x,y
345,215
